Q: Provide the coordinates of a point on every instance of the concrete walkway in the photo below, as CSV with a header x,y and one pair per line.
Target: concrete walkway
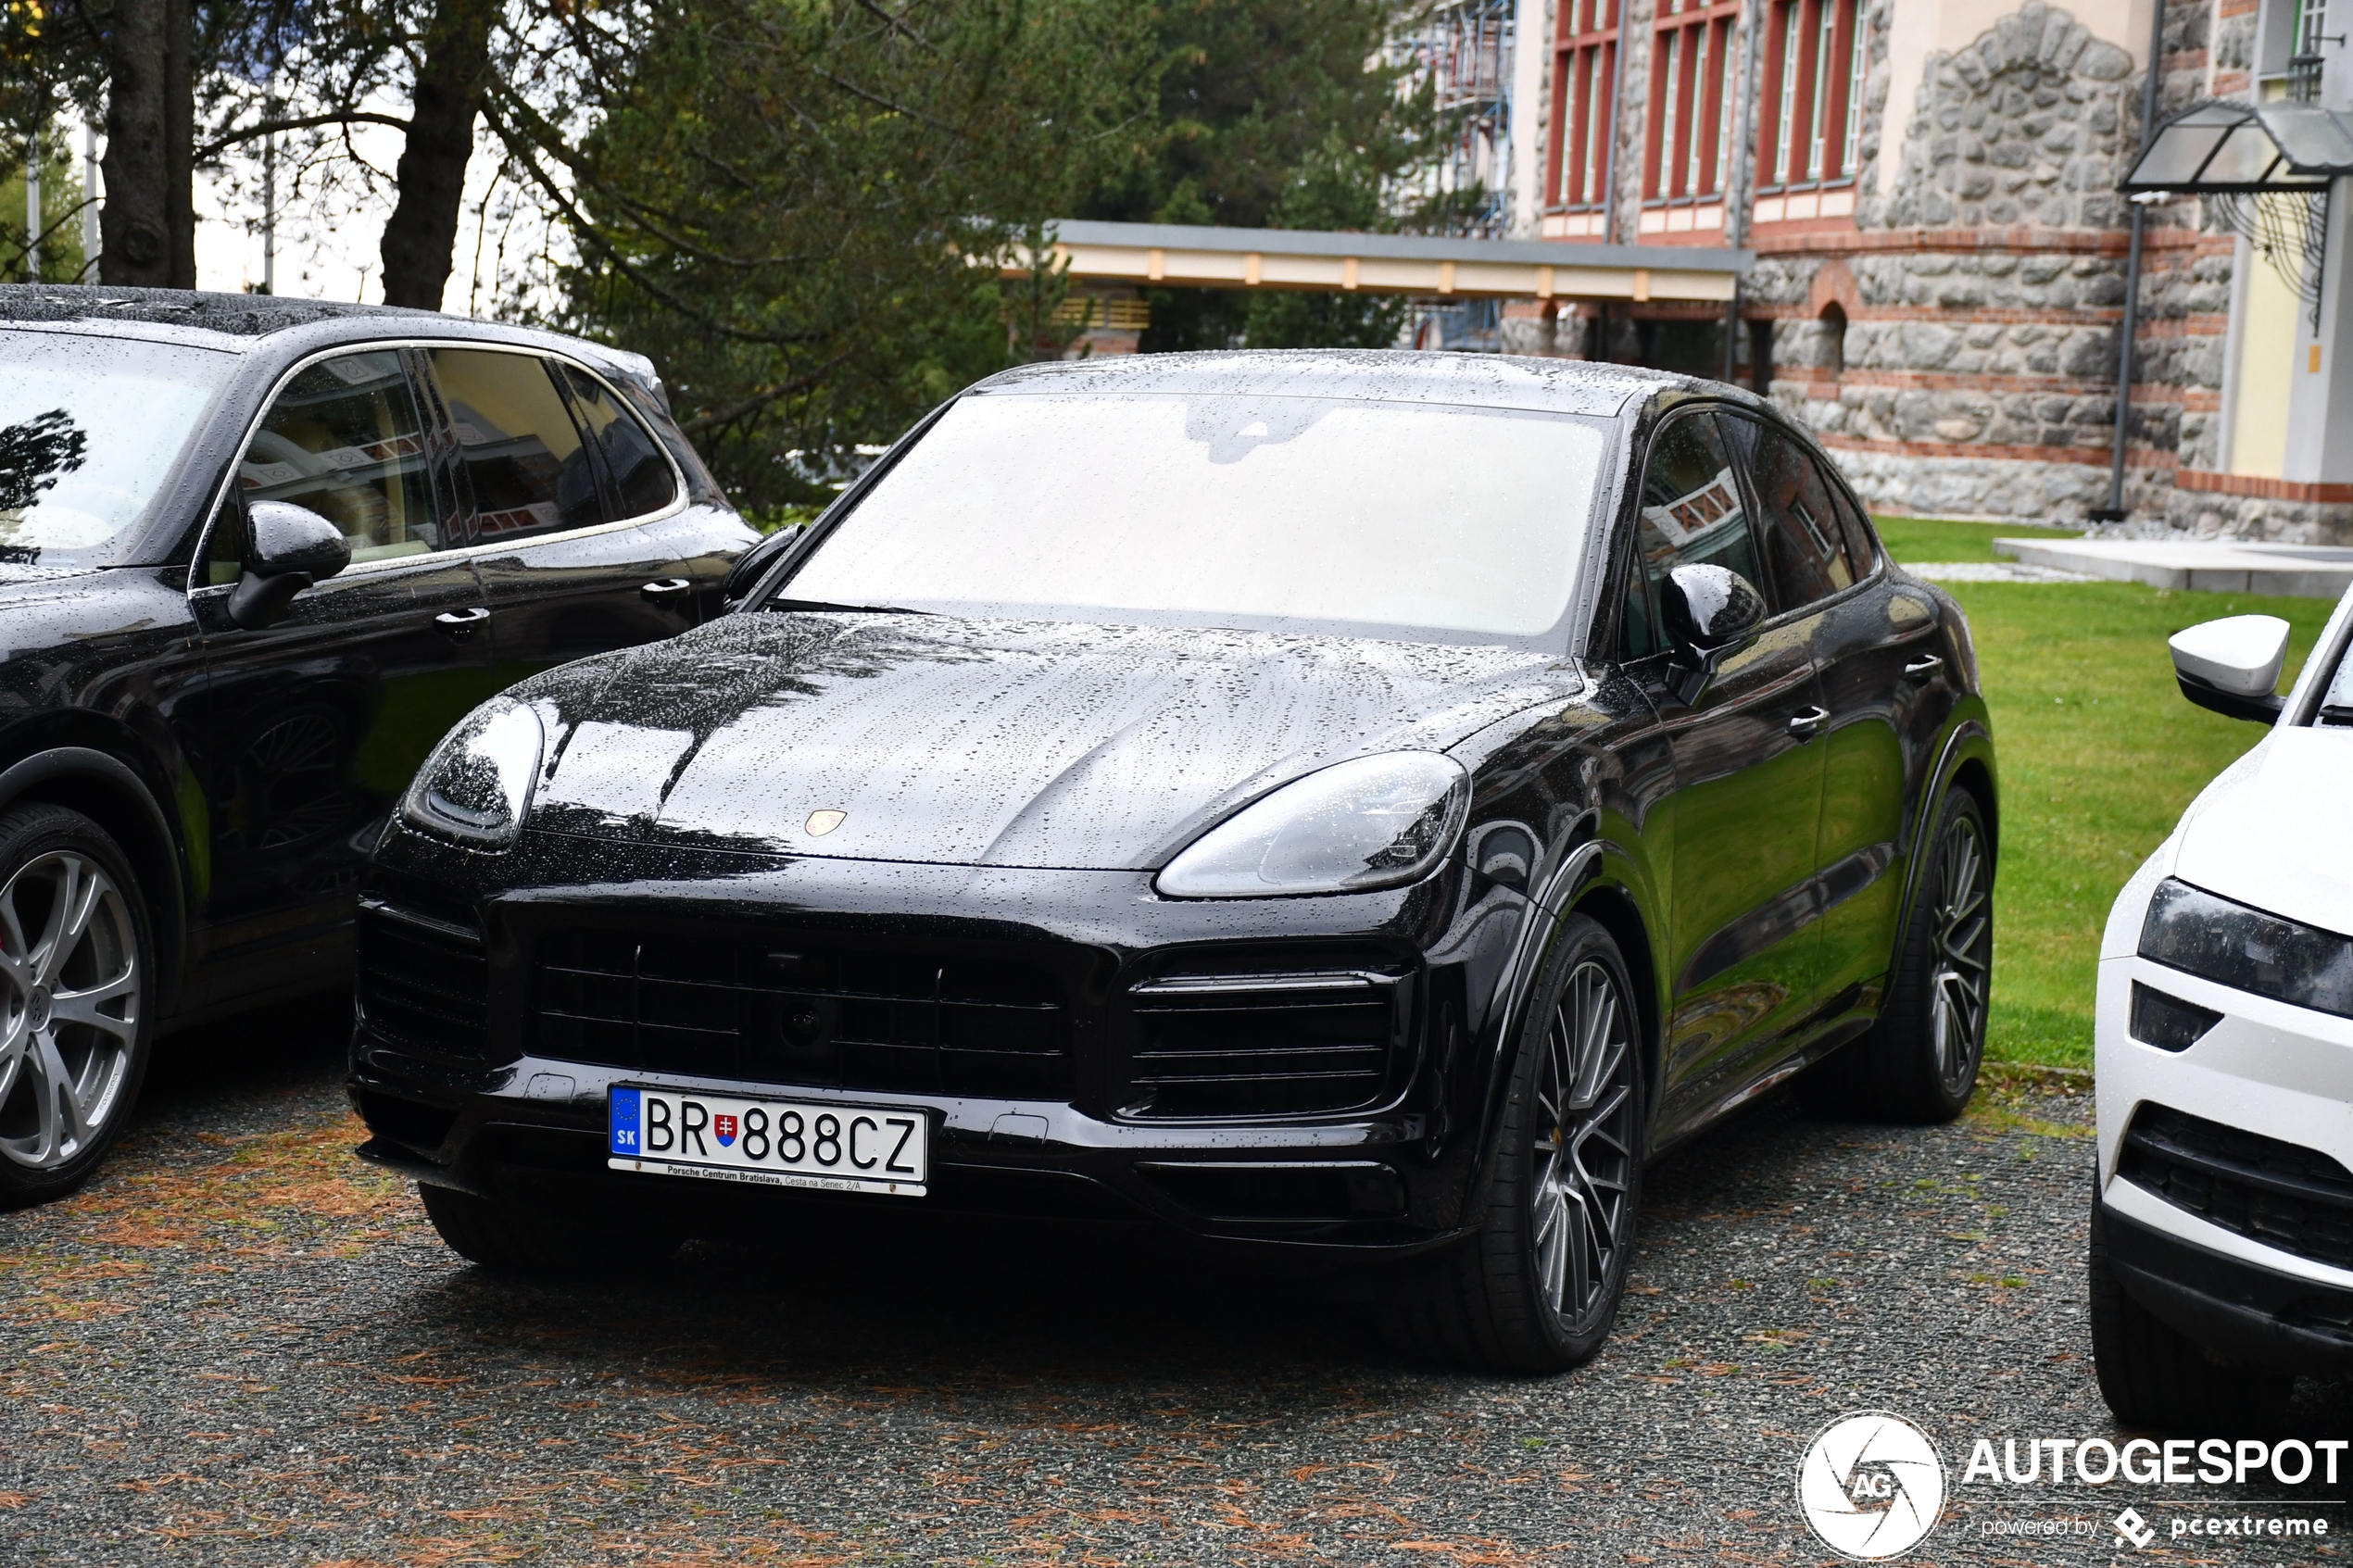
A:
x,y
2227,566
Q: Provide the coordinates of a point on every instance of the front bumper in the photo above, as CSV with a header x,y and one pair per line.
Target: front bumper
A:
x,y
2226,1168
2235,1309
521,1117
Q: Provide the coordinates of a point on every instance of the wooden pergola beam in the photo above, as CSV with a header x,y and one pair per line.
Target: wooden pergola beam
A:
x,y
1195,255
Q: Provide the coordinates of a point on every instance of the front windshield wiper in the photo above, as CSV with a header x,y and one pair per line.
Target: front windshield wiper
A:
x,y
843,609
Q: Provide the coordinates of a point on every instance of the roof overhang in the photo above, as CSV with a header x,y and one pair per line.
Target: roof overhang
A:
x,y
2216,148
1198,255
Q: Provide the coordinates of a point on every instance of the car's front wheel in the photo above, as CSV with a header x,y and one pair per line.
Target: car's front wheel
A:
x,y
76,971
1536,1290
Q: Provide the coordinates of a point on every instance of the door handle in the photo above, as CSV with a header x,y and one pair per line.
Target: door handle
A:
x,y
1924,668
666,588
461,622
1809,723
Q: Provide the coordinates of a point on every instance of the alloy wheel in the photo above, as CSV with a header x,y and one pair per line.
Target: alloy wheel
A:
x,y
70,996
1584,1148
1962,930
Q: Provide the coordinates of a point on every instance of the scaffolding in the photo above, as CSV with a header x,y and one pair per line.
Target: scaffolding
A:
x,y
1463,52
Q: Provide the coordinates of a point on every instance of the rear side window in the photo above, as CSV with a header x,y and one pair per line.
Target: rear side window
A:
x,y
343,438
1692,514
530,469
1804,539
640,475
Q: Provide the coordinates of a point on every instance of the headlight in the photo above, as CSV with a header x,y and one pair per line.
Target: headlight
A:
x,y
1375,821
476,786
2192,930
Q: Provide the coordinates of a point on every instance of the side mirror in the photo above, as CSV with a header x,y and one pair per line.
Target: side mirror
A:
x,y
1707,608
291,548
753,564
2230,665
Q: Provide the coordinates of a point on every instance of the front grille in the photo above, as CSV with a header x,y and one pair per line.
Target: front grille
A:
x,y
1222,1040
424,978
2280,1194
804,1013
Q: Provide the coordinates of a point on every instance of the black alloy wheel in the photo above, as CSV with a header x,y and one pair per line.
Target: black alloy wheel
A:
x,y
1537,1287
1919,1061
76,973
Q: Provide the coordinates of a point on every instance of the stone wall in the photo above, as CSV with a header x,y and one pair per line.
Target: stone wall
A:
x,y
1975,371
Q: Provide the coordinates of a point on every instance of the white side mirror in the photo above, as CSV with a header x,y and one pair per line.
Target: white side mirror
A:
x,y
2240,653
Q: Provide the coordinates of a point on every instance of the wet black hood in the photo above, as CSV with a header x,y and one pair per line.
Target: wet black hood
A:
x,y
987,741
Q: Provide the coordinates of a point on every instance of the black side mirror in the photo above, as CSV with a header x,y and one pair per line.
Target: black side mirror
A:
x,y
753,564
290,549
1707,608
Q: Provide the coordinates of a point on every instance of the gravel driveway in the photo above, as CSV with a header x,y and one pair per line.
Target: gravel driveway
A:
x,y
241,1346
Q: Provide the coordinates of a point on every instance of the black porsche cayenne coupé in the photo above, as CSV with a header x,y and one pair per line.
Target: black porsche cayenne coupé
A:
x,y
1363,805
257,555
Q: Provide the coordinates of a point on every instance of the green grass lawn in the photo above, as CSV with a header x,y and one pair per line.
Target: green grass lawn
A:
x,y
1928,538
2098,754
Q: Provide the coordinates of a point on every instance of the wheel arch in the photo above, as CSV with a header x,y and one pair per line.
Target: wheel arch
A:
x,y
95,768
1612,907
1966,762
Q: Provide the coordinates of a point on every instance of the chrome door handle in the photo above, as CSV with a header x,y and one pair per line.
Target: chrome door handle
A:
x,y
461,622
666,588
1922,669
1809,723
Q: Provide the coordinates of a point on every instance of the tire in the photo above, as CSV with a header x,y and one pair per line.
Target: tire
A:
x,y
2153,1375
511,1239
1918,1063
1536,1290
77,979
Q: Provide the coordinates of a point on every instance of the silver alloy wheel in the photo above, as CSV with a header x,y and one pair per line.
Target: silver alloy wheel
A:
x,y
1584,1148
1962,930
69,995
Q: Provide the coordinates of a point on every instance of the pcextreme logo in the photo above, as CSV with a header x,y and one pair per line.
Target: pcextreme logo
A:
x,y
1871,1484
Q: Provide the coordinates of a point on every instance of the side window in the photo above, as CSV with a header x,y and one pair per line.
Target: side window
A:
x,y
1862,544
641,479
522,453
344,439
1691,514
1804,537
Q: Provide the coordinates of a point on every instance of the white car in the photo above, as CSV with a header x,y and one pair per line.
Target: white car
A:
x,y
2221,1257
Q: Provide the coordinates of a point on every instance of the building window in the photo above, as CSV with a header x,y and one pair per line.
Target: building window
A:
x,y
1691,102
1584,81
1811,126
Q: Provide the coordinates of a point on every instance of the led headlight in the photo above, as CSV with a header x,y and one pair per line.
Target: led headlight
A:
x,y
476,786
2189,929
1373,822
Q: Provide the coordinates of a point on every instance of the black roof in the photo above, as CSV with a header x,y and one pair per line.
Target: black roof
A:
x,y
238,314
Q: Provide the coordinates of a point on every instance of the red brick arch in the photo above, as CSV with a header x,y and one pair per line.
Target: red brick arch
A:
x,y
1833,284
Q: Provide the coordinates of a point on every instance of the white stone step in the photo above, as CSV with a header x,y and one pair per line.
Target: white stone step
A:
x,y
2217,566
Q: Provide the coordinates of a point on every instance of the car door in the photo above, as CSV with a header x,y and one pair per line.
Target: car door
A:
x,y
317,722
567,497
1888,693
1742,952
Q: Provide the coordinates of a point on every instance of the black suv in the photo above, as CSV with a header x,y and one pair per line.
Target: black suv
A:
x,y
255,557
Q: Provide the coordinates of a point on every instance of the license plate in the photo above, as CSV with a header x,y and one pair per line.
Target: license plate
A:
x,y
769,1142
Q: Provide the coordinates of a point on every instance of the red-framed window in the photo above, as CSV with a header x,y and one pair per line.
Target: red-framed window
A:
x,y
1690,126
1584,85
1810,126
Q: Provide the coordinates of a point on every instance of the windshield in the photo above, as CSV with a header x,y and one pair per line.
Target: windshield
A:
x,y
1285,513
90,430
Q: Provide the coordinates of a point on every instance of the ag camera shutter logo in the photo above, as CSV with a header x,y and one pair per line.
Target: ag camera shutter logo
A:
x,y
1870,1486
